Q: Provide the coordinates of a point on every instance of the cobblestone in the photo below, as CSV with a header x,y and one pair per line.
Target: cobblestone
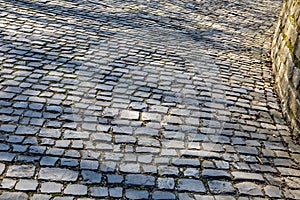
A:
x,y
163,195
136,194
76,189
57,174
13,196
27,185
51,187
221,187
247,176
116,192
7,183
91,176
248,188
211,173
165,183
139,180
99,192
20,171
272,191
190,185
142,100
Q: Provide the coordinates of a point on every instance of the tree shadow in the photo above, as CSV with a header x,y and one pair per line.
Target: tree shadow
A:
x,y
82,129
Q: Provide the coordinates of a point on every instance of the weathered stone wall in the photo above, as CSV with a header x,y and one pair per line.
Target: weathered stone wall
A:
x,y
286,61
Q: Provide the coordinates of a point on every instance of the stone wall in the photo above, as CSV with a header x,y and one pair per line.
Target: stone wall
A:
x,y
286,61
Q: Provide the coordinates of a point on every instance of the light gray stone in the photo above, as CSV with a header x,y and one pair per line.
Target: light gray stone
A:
x,y
27,185
76,189
57,174
21,171
51,187
13,196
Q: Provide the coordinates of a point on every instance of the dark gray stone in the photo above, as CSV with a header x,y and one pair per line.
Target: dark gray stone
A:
x,y
220,187
247,150
48,161
136,194
116,192
186,162
191,185
211,173
67,162
7,128
89,164
245,176
140,180
91,176
163,195
99,191
26,130
114,178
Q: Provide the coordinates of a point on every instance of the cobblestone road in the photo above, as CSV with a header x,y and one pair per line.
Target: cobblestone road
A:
x,y
141,100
